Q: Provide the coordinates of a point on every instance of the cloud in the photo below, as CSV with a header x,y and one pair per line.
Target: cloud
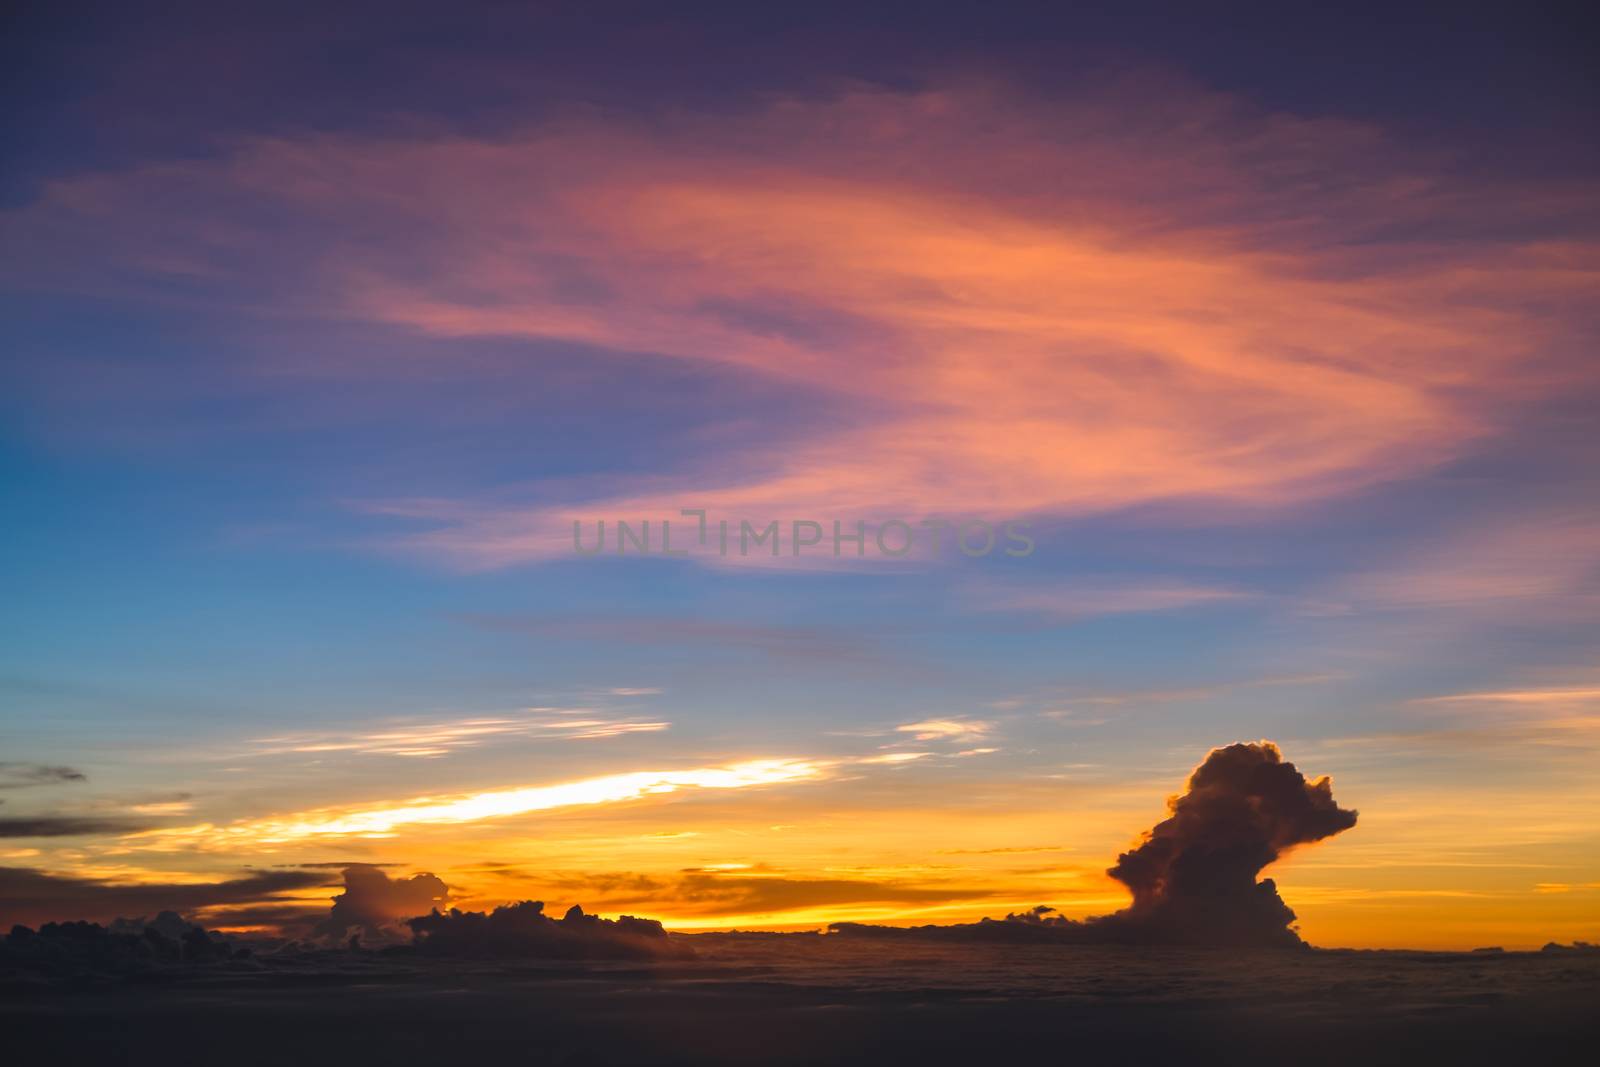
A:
x,y
1552,697
1193,877
1539,562
745,890
378,821
1548,715
999,851
287,920
523,929
429,740
1565,887
340,865
15,775
372,901
177,806
1012,306
1058,702
946,729
1090,596
716,893
66,826
30,896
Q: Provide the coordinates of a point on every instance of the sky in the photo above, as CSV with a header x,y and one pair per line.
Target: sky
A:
x,y
1272,333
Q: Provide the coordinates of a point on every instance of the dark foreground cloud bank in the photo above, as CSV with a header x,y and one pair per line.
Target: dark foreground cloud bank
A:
x,y
1193,877
380,909
524,929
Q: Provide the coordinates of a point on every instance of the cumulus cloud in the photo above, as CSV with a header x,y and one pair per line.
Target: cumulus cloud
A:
x,y
1193,877
523,929
372,902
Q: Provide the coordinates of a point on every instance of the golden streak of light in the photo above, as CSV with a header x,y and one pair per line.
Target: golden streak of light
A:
x,y
379,822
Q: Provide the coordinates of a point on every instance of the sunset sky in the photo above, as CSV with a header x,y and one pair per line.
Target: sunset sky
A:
x,y
320,332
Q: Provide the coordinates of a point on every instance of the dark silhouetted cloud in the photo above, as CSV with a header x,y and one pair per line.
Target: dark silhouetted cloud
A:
x,y
372,902
14,775
524,929
1193,877
66,826
31,896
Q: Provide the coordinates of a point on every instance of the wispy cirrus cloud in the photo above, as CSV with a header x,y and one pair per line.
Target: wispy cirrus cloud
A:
x,y
895,758
1120,305
1564,714
430,739
1090,596
1554,696
1540,560
1059,701
946,729
1534,724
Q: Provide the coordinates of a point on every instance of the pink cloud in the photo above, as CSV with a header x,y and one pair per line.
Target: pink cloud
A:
x,y
1033,310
